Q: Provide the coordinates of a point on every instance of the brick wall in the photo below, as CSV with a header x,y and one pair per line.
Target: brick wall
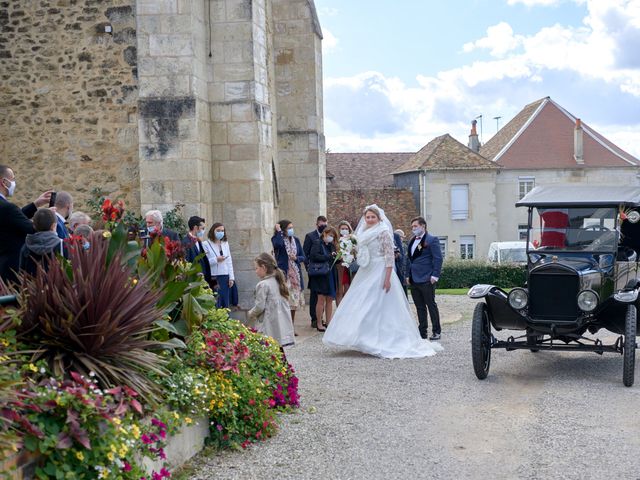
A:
x,y
68,96
348,205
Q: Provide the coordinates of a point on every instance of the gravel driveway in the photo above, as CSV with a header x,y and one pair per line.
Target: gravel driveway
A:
x,y
544,415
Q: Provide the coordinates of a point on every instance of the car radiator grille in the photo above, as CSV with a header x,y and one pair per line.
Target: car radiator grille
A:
x,y
553,295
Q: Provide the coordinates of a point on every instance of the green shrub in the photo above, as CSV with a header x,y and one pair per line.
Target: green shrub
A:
x,y
466,273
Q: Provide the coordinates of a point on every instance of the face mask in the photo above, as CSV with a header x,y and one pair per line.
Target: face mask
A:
x,y
11,187
151,229
328,239
321,228
344,232
290,232
86,245
200,233
417,231
219,235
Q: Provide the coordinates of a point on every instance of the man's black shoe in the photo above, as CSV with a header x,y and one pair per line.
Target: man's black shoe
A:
x,y
314,324
435,336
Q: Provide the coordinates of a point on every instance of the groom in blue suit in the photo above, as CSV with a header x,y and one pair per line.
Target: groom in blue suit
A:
x,y
425,264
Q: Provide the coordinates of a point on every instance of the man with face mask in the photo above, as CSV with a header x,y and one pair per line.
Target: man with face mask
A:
x,y
14,223
321,224
192,243
425,264
155,227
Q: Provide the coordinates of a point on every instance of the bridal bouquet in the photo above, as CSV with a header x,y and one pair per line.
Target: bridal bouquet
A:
x,y
347,253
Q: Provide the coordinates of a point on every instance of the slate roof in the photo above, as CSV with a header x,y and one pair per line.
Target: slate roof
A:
x,y
347,171
541,136
446,153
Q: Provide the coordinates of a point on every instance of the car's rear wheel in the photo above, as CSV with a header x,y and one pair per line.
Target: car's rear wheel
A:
x,y
629,349
481,341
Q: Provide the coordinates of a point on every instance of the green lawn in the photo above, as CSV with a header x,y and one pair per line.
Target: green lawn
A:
x,y
452,291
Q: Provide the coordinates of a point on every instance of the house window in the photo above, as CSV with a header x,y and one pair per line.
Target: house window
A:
x,y
443,246
525,185
522,231
459,202
467,247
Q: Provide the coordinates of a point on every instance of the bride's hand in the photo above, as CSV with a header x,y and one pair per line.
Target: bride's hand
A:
x,y
387,285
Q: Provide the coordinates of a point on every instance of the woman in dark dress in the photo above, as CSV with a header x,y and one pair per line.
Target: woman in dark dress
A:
x,y
324,251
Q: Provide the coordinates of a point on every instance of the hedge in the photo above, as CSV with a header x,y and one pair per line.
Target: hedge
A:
x,y
466,273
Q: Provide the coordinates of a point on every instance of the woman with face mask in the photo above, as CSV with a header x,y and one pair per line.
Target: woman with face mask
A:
x,y
344,275
289,255
217,249
323,251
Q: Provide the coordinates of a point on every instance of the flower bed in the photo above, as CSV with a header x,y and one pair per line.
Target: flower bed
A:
x,y
111,356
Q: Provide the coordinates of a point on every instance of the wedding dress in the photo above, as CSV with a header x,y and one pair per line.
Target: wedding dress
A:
x,y
369,319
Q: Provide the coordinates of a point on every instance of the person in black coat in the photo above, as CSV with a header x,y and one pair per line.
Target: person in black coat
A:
x,y
400,259
14,224
309,238
192,243
324,250
154,222
289,256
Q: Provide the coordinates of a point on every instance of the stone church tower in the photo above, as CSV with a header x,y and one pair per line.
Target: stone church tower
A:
x,y
216,104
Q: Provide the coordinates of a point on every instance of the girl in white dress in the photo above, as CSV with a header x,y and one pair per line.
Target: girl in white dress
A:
x,y
374,315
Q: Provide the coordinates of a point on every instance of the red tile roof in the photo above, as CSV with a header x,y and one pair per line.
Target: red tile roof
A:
x,y
446,153
346,171
542,136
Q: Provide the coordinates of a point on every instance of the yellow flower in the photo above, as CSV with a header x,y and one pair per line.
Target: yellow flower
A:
x,y
176,415
123,450
80,456
33,368
135,430
187,420
4,341
106,234
135,281
113,448
111,456
117,421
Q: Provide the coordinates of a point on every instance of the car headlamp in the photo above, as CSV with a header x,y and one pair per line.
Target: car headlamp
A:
x,y
518,298
587,300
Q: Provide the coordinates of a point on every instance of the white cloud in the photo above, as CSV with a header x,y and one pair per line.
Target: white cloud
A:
x,y
329,41
592,70
499,40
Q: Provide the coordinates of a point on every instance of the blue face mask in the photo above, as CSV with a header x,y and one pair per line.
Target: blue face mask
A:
x,y
151,229
86,245
290,232
219,235
200,233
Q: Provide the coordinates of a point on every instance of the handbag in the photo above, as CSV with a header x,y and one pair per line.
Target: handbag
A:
x,y
318,269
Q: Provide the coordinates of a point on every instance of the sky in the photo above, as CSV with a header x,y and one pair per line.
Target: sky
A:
x,y
398,73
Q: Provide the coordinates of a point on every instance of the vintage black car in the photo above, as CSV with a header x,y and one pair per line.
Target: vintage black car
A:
x,y
582,276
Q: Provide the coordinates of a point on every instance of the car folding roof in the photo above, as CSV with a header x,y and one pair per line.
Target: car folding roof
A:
x,y
581,195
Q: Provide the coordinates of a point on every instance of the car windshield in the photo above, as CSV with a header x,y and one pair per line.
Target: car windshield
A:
x,y
574,229
513,255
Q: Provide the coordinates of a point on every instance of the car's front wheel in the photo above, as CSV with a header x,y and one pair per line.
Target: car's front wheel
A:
x,y
481,341
629,350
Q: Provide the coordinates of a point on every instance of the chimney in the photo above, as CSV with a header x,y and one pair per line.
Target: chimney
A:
x,y
474,143
578,150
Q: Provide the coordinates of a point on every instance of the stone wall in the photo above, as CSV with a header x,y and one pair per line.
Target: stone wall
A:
x,y
301,168
68,96
348,205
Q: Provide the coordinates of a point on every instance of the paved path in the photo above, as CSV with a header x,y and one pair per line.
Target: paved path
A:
x,y
544,415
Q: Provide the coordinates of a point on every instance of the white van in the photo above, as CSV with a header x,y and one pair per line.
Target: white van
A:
x,y
507,252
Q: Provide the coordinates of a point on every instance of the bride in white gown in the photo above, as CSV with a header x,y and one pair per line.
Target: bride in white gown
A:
x,y
374,316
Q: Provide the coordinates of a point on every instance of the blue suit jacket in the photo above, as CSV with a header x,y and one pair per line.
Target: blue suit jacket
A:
x,y
61,228
282,259
426,260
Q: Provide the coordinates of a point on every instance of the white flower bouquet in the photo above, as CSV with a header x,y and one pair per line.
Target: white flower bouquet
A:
x,y
347,252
